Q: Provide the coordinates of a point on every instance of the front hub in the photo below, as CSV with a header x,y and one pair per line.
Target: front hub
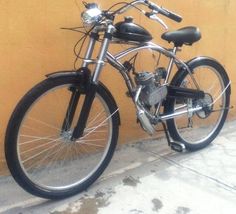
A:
x,y
66,136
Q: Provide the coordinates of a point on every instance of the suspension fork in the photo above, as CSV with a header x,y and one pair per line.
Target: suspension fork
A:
x,y
77,91
93,85
71,108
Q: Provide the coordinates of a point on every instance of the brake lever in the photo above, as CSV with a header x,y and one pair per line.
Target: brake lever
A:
x,y
156,18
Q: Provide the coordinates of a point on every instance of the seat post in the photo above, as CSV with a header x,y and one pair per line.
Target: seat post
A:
x,y
174,51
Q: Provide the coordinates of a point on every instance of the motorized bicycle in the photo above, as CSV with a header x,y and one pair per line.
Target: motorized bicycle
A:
x,y
63,133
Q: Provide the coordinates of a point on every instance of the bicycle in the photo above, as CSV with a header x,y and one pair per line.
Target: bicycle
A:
x,y
63,133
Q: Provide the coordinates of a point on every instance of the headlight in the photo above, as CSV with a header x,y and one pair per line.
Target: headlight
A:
x,y
91,16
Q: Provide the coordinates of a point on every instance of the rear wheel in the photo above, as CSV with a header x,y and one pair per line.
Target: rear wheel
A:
x,y
199,129
39,151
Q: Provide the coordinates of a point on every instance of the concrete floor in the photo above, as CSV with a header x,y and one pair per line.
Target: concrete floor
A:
x,y
147,177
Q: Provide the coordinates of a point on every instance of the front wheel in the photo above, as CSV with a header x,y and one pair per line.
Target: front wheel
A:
x,y
39,151
199,129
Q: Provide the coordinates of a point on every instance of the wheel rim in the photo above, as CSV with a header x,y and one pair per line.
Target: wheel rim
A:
x,y
202,127
47,157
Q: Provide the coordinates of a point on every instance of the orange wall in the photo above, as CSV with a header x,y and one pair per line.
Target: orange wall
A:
x,y
32,45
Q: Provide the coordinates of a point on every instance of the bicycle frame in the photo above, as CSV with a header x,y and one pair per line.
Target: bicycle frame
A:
x,y
114,62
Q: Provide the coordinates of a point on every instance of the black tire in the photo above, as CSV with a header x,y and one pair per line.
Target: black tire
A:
x,y
178,80
13,135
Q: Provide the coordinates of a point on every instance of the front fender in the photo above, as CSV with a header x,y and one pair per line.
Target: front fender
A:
x,y
62,73
81,73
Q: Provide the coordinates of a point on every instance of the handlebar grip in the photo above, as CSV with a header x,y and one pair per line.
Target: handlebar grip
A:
x,y
165,12
170,15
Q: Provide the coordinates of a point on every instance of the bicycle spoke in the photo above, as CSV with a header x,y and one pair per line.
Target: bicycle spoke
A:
x,y
40,162
77,150
30,128
30,158
35,148
95,129
44,123
56,156
91,122
84,148
212,87
90,144
36,139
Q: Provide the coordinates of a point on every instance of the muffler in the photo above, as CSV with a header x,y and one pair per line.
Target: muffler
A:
x,y
143,118
145,122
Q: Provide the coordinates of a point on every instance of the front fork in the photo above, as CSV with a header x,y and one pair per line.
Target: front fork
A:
x,y
93,83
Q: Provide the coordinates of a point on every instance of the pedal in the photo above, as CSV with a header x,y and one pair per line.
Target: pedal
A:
x,y
178,147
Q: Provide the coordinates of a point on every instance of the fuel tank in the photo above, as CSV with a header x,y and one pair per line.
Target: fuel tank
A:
x,y
129,31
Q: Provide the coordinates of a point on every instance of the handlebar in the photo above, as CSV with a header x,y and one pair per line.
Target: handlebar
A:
x,y
152,6
129,5
94,14
171,15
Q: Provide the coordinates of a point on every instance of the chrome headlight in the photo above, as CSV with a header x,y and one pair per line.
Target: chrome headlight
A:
x,y
91,16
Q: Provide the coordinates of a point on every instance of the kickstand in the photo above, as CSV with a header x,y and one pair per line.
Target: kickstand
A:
x,y
166,133
176,146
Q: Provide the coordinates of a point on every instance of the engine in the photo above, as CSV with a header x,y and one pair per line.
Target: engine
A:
x,y
152,91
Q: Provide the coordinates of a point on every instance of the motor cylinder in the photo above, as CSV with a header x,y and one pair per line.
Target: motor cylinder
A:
x,y
152,93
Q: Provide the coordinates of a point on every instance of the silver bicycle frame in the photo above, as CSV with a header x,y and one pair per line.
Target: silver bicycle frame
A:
x,y
113,60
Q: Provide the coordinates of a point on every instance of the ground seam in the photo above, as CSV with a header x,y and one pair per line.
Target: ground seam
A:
x,y
229,187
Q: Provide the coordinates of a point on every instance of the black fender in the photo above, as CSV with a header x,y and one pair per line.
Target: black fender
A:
x,y
193,62
63,74
83,76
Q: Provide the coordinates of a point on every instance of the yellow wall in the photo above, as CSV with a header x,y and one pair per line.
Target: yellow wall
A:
x,y
32,45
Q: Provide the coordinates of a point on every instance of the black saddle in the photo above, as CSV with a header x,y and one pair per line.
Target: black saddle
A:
x,y
187,36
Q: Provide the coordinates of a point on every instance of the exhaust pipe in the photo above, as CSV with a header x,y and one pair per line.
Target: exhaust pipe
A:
x,y
144,120
147,126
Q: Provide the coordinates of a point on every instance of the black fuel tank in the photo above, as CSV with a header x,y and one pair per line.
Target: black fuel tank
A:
x,y
128,31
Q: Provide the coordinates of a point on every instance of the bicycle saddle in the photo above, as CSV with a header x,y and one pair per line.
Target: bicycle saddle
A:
x,y
186,35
